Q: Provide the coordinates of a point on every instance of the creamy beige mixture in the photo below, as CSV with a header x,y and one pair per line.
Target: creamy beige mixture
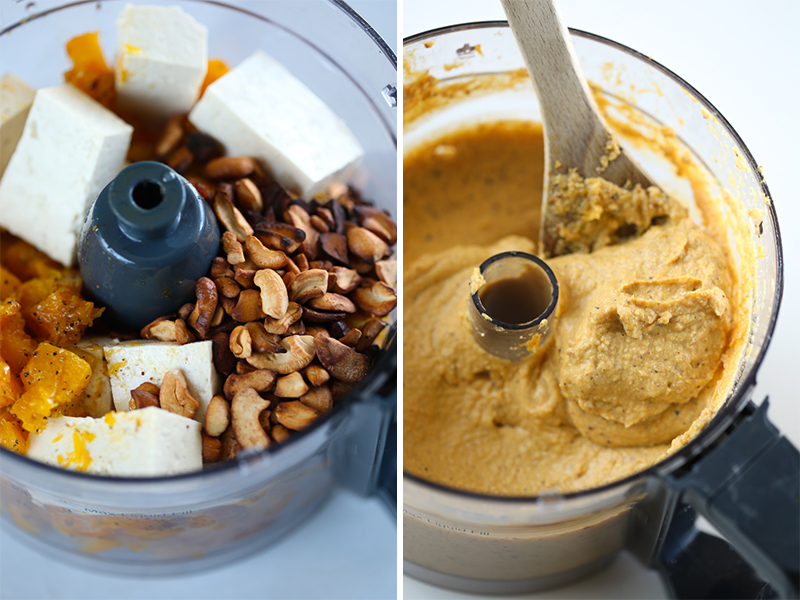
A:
x,y
641,326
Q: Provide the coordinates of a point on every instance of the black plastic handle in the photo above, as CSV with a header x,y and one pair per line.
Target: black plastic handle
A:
x,y
366,458
748,488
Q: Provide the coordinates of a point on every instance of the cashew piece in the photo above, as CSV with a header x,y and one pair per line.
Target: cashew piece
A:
x,y
340,360
297,216
316,375
291,386
230,167
233,248
260,380
378,222
248,195
366,245
346,280
318,398
217,416
387,271
295,415
145,395
280,433
245,408
280,236
203,313
294,313
369,331
300,353
248,307
229,447
307,285
332,302
274,297
378,299
240,342
263,257
212,448
175,396
228,214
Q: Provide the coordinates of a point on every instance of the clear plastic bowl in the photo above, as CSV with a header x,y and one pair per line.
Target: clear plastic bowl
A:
x,y
190,522
485,544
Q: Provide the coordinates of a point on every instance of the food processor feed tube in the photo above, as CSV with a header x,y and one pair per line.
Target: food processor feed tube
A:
x,y
514,297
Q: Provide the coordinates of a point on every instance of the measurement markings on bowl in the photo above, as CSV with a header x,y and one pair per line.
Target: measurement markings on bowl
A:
x,y
444,525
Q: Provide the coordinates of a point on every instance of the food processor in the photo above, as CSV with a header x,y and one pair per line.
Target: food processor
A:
x,y
159,526
738,472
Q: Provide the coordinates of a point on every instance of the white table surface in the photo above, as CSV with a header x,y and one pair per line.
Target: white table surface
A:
x,y
346,550
743,56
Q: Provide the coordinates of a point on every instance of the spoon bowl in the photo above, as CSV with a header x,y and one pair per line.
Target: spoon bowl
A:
x,y
575,134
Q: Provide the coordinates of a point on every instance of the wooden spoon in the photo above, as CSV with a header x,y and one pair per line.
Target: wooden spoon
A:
x,y
575,135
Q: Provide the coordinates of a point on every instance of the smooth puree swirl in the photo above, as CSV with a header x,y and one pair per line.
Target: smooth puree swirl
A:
x,y
643,322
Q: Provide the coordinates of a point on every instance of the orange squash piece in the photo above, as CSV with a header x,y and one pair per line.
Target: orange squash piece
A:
x,y
9,283
10,385
90,73
16,346
12,435
37,289
216,69
26,262
53,376
62,317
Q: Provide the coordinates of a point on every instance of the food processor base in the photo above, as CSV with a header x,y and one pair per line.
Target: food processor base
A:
x,y
513,586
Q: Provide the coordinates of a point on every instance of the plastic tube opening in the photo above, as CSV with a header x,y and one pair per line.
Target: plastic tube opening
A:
x,y
514,297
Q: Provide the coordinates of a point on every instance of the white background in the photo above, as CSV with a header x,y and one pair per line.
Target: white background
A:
x,y
743,56
347,550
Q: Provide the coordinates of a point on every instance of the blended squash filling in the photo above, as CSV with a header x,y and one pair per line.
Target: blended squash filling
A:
x,y
642,323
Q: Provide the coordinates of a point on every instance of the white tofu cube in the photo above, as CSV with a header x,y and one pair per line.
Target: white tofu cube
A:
x,y
162,59
97,399
141,443
130,364
70,149
259,109
16,99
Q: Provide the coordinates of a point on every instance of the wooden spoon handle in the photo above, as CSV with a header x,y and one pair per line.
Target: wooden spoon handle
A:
x,y
575,135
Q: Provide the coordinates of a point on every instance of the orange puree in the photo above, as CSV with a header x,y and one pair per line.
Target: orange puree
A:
x,y
641,326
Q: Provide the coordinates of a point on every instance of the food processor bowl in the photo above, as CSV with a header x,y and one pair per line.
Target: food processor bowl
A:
x,y
491,544
191,522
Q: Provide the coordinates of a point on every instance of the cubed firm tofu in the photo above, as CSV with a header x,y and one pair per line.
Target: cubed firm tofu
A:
x,y
70,149
132,363
162,59
260,109
143,443
16,99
